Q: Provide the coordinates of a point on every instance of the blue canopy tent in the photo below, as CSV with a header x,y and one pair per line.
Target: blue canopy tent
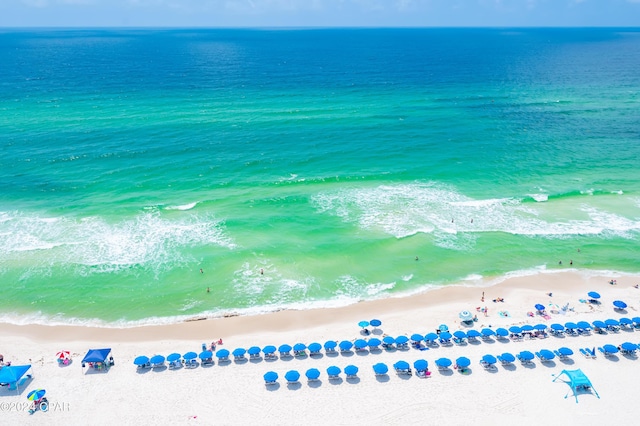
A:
x,y
270,377
312,374
380,368
13,374
97,358
577,381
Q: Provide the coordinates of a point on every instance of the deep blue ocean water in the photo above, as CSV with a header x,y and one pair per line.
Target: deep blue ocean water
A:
x,y
327,159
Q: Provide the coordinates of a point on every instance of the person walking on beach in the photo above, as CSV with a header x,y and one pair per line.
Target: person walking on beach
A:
x,y
482,298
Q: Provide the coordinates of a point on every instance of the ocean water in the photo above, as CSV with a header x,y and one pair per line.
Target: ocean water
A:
x,y
327,159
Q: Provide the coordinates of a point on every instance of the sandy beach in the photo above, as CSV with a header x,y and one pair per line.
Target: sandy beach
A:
x,y
235,393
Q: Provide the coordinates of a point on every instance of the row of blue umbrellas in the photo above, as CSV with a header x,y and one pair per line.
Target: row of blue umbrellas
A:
x,y
311,374
159,359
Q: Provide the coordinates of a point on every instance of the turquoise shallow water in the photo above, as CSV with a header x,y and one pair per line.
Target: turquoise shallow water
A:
x,y
328,159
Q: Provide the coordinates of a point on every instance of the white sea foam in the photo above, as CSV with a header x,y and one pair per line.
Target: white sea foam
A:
x,y
182,207
540,197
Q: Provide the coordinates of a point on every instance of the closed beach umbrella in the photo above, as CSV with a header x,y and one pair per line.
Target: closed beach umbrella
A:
x,y
156,359
619,304
345,345
584,325
502,332
315,347
330,344
253,350
547,354
401,340
401,365
593,295
599,324
557,327
473,333
628,346
351,370
611,322
270,376
284,348
443,362
460,334
312,373
466,316
299,347
463,362
526,355
202,355
388,340
527,327
239,352
374,343
192,355
222,353
565,351
380,368
571,325
269,349
515,329
431,337
488,332
363,324
540,327
375,323
539,307
417,337
420,364
333,370
360,344
489,359
35,395
507,357
610,349
292,376
142,360
174,357
445,335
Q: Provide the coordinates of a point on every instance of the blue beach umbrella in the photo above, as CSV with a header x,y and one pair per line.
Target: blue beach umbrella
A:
x,y
345,345
401,340
374,343
375,323
443,362
466,316
417,337
460,334
431,337
503,332
142,360
174,357
489,359
488,332
202,355
156,359
611,322
619,304
333,370
312,373
299,347
285,348
380,368
557,327
540,327
507,357
547,354
636,320
599,324
191,355
269,349
254,350
571,325
593,295
625,321
351,370
443,327
610,349
445,335
540,307
565,351
239,352
401,365
515,329
526,355
315,347
35,395
360,344
330,344
628,346
473,333
527,327
270,376
222,353
388,340
292,376
363,324
584,325
420,364
463,362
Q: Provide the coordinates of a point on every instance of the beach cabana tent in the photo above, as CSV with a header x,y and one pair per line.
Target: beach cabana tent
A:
x,y
96,355
577,381
13,374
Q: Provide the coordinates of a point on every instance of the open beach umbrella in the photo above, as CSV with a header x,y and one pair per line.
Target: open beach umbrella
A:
x,y
417,337
363,324
584,325
360,344
380,368
625,321
374,342
473,333
375,323
628,346
284,348
459,334
565,351
515,329
270,376
463,362
507,357
351,370
557,327
619,304
431,337
420,365
239,352
191,355
222,353
141,360
388,340
502,332
540,307
610,349
401,365
526,355
445,335
312,373
401,340
63,354
611,322
488,332
315,347
292,376
345,345
269,349
443,362
330,344
443,327
570,325
636,320
527,327
174,357
594,295
333,370
599,324
546,354
35,395
156,359
202,355
540,327
299,347
253,350
466,316
489,359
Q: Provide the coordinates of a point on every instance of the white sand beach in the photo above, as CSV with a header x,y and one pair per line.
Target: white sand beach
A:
x,y
235,393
